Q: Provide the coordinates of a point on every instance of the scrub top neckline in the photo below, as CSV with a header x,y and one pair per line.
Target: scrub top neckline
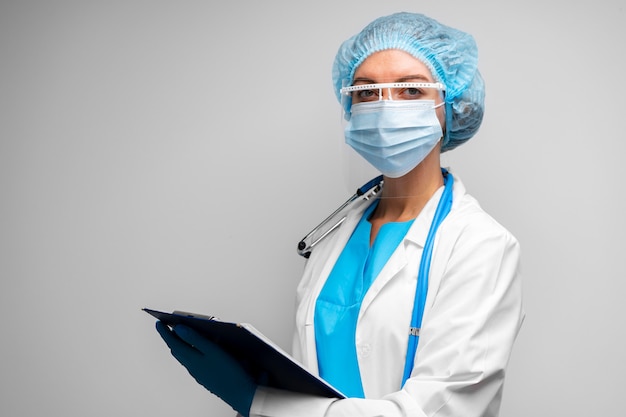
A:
x,y
382,231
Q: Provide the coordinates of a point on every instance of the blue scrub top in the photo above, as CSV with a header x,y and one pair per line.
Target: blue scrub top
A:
x,y
337,307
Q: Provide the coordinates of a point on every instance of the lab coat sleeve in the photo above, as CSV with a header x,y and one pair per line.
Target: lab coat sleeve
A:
x,y
472,318
273,402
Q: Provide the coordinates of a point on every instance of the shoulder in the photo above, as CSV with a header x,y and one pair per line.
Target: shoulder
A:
x,y
473,251
469,234
469,219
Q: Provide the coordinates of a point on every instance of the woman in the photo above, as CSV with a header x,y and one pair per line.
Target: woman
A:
x,y
364,322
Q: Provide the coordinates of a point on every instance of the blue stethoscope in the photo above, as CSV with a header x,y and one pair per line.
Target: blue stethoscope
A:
x,y
364,193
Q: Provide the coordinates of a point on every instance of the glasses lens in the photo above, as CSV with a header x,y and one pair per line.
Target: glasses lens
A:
x,y
393,91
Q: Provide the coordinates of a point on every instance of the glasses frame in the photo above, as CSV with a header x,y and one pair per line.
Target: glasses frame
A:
x,y
349,90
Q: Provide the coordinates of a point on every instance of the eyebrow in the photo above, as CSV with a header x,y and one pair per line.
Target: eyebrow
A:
x,y
406,78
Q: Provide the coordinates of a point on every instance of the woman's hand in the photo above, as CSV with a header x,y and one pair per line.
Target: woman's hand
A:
x,y
211,366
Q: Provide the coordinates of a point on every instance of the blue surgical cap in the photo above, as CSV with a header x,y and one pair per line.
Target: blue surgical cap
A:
x,y
451,56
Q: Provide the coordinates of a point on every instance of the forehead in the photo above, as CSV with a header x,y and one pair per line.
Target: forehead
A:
x,y
392,65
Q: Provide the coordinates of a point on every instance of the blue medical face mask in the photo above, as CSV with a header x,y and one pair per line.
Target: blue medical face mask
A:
x,y
394,136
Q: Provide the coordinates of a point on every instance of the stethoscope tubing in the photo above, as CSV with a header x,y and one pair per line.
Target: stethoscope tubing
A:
x,y
421,290
365,192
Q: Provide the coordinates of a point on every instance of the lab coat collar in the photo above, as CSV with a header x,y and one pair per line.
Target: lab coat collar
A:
x,y
419,230
417,234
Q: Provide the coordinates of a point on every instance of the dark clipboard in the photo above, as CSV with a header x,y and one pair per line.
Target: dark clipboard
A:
x,y
265,361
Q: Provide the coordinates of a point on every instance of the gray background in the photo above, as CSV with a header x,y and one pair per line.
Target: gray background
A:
x,y
171,154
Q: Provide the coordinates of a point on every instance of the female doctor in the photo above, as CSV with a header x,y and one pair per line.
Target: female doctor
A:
x,y
411,306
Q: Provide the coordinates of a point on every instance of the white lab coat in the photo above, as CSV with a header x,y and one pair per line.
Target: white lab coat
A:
x,y
471,318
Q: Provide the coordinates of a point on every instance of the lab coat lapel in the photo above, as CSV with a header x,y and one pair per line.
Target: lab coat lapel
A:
x,y
414,239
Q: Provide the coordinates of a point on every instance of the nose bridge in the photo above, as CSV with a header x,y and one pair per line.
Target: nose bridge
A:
x,y
385,93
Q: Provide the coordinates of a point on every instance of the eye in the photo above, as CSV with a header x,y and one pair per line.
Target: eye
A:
x,y
365,95
410,93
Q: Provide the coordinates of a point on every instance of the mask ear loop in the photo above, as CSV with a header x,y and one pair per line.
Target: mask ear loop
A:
x,y
442,96
447,116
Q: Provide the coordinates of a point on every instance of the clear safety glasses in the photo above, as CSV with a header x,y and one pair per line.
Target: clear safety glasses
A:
x,y
364,93
391,91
